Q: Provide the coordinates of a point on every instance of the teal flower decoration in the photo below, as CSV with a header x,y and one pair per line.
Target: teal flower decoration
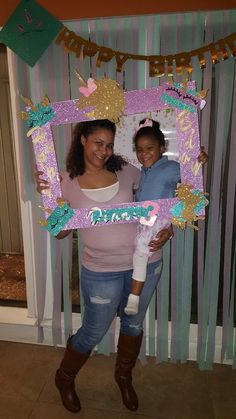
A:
x,y
40,116
58,219
177,209
37,115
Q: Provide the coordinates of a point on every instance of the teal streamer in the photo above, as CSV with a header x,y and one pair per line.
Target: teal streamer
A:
x,y
22,74
213,303
230,347
176,340
80,249
56,88
86,66
212,278
74,64
226,74
57,289
128,47
187,293
104,346
229,352
66,275
110,39
52,244
164,285
99,39
190,39
179,289
151,336
156,36
233,303
141,65
163,300
205,298
228,325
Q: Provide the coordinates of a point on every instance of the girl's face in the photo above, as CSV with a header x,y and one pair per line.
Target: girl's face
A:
x,y
148,151
98,147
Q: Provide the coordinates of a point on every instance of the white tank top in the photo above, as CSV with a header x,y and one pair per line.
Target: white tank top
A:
x,y
102,194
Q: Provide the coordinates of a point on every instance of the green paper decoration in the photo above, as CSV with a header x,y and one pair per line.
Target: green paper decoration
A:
x,y
29,31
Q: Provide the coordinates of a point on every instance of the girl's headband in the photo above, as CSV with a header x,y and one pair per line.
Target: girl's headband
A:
x,y
147,123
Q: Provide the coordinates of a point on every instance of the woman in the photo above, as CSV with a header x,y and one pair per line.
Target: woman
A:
x,y
96,176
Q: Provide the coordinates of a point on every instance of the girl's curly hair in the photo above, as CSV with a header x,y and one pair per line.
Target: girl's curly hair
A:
x,y
75,164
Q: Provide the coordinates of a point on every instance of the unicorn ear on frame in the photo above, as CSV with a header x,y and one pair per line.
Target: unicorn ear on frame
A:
x,y
89,89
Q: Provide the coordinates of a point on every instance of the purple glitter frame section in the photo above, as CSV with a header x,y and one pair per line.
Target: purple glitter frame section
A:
x,y
137,101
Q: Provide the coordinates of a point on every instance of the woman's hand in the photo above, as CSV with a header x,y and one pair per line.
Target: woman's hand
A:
x,y
41,184
161,238
203,156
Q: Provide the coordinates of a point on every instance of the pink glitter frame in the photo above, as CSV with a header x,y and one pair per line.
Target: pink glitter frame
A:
x,y
166,96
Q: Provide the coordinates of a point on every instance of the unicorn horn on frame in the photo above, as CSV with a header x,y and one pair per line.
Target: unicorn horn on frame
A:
x,y
82,81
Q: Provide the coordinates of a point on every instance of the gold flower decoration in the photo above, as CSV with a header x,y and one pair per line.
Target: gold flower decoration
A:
x,y
107,101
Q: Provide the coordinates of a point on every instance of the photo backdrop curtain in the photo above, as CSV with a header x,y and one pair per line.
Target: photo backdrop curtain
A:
x,y
200,264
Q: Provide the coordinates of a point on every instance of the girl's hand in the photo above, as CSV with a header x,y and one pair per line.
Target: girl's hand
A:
x,y
63,234
203,156
161,238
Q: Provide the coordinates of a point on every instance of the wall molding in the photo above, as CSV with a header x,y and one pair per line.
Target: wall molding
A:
x,y
17,326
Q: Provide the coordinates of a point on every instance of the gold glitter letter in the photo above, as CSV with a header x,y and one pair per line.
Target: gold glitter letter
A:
x,y
105,55
189,143
195,167
184,158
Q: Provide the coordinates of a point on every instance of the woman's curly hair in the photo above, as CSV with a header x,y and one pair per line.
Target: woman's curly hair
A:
x,y
75,164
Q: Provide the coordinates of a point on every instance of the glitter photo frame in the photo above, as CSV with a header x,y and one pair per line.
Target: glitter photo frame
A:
x,y
184,209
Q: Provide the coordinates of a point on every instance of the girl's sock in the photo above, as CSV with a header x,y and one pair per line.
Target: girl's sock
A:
x,y
132,305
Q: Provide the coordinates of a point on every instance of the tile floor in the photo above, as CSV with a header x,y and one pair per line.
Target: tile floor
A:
x,y
166,391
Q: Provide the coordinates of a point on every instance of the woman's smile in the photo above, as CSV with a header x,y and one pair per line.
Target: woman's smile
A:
x,y
98,147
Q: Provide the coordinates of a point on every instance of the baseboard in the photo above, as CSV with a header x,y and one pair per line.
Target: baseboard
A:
x,y
16,326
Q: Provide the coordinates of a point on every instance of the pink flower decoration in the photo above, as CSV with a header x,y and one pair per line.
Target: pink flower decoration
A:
x,y
91,86
155,206
152,216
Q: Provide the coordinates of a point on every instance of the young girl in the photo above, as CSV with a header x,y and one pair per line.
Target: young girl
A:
x,y
159,180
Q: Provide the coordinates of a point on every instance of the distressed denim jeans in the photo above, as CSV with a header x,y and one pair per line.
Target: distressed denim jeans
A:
x,y
105,294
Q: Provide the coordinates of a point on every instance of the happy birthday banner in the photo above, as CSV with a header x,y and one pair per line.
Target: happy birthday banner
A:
x,y
31,29
73,43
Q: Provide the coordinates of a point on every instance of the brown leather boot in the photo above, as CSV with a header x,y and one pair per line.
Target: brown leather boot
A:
x,y
71,363
127,354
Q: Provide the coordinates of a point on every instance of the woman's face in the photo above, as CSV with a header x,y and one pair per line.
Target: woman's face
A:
x,y
148,151
98,147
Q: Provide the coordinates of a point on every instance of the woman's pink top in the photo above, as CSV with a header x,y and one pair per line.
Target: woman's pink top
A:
x,y
108,248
